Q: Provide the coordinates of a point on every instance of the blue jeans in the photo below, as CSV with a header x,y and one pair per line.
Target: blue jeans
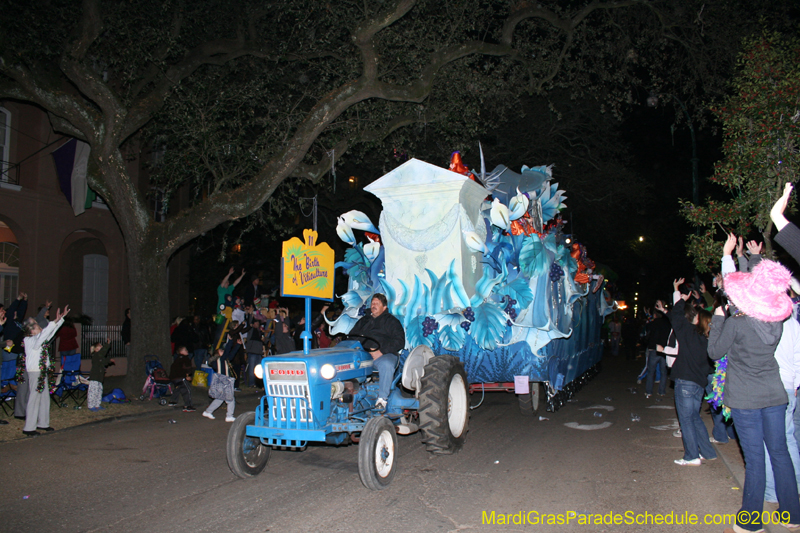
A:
x,y
797,426
757,427
385,365
655,361
200,356
723,430
791,444
688,399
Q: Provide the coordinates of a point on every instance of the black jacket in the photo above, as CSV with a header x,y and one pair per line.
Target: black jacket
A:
x,y
789,238
385,329
658,333
691,363
100,359
181,368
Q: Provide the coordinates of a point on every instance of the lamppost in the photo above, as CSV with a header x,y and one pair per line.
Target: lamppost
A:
x,y
652,101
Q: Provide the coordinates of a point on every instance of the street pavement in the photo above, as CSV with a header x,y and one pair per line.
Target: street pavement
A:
x,y
147,473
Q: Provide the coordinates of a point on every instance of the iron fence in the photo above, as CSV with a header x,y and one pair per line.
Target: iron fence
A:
x,y
93,334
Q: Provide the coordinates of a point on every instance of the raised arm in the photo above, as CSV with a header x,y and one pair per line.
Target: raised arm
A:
x,y
728,265
226,280
776,213
720,336
50,330
235,283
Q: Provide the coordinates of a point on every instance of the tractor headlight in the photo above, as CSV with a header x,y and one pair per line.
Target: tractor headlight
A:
x,y
259,371
327,371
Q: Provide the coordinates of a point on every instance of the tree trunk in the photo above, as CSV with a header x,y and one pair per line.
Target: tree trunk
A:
x,y
768,253
149,289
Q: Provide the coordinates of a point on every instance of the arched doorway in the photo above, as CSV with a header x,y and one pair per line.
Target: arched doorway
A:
x,y
9,265
9,272
84,276
95,288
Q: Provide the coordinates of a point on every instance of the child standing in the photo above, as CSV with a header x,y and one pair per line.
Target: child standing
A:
x,y
100,360
181,375
217,402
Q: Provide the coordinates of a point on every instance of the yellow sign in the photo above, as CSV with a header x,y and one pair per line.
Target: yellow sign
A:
x,y
307,269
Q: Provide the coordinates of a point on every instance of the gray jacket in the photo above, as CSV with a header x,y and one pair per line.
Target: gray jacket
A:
x,y
753,379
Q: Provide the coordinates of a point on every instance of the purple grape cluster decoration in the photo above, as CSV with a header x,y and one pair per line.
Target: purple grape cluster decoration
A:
x,y
556,272
469,314
429,325
509,308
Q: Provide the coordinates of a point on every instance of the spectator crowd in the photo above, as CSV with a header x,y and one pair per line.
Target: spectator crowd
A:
x,y
737,348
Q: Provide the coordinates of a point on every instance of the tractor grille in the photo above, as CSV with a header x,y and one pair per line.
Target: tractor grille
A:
x,y
289,400
290,409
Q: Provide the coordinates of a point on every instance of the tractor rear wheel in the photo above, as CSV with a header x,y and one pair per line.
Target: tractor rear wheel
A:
x,y
247,457
444,405
529,403
377,453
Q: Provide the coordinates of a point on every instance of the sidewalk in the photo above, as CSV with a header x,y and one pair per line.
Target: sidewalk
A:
x,y
72,416
731,454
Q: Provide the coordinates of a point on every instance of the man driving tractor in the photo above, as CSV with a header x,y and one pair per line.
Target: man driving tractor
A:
x,y
384,328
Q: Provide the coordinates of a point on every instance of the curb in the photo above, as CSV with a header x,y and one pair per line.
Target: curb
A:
x,y
737,473
159,409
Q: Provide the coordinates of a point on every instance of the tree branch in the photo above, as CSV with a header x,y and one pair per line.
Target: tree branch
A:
x,y
37,87
90,28
364,33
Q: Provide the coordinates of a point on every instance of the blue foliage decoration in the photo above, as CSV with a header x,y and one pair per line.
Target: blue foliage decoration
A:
x,y
525,315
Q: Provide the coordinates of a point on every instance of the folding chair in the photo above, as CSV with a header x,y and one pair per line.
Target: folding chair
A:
x,y
71,385
8,386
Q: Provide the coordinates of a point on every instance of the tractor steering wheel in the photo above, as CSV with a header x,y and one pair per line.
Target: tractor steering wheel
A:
x,y
367,338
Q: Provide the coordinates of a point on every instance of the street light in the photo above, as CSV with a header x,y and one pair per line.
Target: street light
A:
x,y
652,101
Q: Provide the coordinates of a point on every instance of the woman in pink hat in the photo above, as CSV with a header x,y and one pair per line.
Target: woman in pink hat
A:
x,y
748,329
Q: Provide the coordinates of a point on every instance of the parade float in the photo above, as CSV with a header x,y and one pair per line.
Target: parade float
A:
x,y
491,296
478,266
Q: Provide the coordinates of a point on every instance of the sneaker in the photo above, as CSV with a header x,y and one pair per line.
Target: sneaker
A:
x,y
189,409
662,395
30,433
380,403
173,404
657,381
208,415
712,440
684,462
646,396
677,434
706,459
230,419
739,529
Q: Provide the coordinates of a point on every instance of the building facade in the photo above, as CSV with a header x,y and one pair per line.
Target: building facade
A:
x,y
46,250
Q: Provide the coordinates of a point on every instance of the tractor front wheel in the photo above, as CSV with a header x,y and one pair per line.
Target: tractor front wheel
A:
x,y
377,453
247,457
444,405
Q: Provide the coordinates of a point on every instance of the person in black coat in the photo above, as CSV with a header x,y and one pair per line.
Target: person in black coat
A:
x,y
384,328
690,372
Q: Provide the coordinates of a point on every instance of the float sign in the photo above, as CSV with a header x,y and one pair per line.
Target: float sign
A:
x,y
307,268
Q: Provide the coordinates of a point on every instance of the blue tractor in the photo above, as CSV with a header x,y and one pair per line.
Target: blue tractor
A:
x,y
329,395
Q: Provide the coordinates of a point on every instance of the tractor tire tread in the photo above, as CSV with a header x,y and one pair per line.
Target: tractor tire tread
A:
x,y
433,406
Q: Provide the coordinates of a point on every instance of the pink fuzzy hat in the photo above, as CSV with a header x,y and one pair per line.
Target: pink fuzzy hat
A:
x,y
761,293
